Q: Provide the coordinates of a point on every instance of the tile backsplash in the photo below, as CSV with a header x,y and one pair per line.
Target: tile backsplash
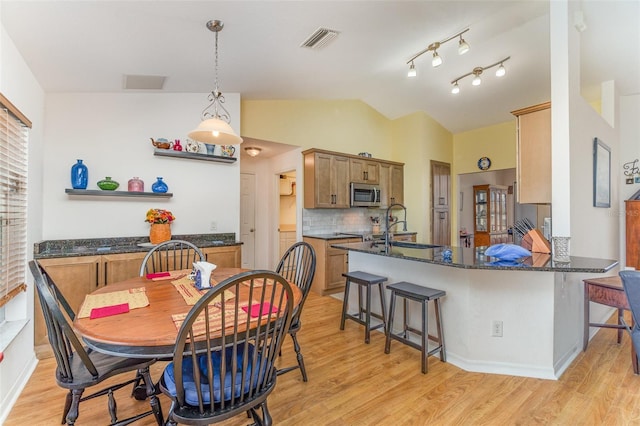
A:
x,y
324,221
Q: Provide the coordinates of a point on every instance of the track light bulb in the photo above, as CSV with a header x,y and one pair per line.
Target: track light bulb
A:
x,y
436,61
476,80
455,89
463,46
501,71
412,70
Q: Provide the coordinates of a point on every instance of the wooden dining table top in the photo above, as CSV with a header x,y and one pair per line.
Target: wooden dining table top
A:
x,y
147,332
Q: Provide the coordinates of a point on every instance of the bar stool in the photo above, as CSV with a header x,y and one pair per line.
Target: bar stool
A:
x,y
363,279
410,291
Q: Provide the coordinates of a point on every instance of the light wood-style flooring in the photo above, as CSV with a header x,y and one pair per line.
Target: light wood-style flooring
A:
x,y
351,383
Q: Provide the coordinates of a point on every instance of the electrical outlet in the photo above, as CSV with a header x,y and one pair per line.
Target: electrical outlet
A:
x,y
213,226
496,328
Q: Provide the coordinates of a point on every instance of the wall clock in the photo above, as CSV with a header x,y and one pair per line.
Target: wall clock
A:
x,y
484,163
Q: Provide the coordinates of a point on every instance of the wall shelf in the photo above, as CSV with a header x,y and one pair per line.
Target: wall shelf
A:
x,y
101,193
193,156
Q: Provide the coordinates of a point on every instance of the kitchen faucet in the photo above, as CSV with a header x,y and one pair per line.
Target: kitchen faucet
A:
x,y
387,234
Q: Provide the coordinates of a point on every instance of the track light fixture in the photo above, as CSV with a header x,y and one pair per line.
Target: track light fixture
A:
x,y
412,70
436,60
477,72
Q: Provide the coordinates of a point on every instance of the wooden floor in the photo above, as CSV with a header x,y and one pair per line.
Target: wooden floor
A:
x,y
351,383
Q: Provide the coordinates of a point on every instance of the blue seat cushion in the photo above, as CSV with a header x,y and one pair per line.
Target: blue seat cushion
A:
x,y
235,383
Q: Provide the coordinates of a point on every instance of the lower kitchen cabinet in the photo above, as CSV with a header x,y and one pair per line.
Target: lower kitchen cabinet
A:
x,y
224,257
331,263
121,266
75,277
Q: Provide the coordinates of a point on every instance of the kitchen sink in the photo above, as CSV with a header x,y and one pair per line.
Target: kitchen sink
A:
x,y
408,244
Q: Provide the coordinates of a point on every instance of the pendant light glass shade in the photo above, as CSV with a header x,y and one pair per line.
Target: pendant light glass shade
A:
x,y
501,71
215,131
463,47
436,61
412,71
455,89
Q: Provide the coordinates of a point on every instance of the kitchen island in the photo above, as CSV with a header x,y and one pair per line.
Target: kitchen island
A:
x,y
537,302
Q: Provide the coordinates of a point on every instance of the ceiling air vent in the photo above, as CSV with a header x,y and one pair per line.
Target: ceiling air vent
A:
x,y
319,38
143,82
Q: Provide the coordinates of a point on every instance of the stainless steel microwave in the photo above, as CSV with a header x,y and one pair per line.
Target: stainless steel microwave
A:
x,y
364,195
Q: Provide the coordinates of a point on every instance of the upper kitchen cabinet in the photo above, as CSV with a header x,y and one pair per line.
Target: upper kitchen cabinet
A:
x,y
326,180
534,154
391,183
364,171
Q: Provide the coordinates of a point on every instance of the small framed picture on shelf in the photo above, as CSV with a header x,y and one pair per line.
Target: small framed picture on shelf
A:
x,y
629,181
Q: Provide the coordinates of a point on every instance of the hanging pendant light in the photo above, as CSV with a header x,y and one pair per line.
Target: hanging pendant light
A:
x,y
214,127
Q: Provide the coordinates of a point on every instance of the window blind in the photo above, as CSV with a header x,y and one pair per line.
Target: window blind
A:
x,y
14,133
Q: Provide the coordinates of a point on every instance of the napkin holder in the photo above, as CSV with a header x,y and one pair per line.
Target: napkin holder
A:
x,y
203,274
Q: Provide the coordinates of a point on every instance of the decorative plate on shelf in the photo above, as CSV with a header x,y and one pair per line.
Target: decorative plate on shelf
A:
x,y
484,163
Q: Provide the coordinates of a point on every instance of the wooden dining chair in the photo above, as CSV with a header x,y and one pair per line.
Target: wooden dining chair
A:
x,y
223,361
79,368
171,255
298,266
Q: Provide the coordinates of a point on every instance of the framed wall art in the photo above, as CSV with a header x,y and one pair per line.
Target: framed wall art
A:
x,y
601,174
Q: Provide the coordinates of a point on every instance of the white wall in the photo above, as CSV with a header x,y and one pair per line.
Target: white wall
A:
x,y
111,132
20,87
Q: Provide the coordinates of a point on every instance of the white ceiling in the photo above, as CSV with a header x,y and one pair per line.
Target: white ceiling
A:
x,y
88,46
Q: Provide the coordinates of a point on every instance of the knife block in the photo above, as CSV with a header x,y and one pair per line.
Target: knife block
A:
x,y
535,242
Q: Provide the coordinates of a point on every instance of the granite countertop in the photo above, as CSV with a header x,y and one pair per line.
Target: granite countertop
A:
x,y
340,235
97,246
470,258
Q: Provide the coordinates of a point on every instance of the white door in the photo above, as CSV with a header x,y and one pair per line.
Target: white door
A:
x,y
248,219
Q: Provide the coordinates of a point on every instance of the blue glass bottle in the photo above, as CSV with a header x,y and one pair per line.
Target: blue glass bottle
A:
x,y
159,186
79,176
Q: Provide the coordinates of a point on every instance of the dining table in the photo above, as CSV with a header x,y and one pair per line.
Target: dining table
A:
x,y
148,325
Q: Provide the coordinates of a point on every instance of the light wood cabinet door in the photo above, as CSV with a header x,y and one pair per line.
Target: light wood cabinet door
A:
x,y
391,184
75,277
224,257
122,266
632,233
331,263
364,171
534,154
326,182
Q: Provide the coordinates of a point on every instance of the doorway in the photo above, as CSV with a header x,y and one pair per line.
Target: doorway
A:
x,y
248,219
440,203
287,211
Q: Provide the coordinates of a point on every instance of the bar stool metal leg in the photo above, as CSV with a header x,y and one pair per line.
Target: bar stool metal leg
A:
x,y
389,330
345,304
443,355
425,337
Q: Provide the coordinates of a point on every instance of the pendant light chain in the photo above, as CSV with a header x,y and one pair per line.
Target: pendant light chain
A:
x,y
216,98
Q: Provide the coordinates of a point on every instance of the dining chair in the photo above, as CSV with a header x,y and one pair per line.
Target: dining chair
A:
x,y
171,255
223,360
631,285
298,266
79,368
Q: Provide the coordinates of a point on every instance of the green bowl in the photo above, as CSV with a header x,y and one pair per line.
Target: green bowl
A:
x,y
108,185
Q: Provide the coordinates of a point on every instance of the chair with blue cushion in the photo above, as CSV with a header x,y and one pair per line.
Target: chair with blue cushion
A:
x,y
223,359
631,284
